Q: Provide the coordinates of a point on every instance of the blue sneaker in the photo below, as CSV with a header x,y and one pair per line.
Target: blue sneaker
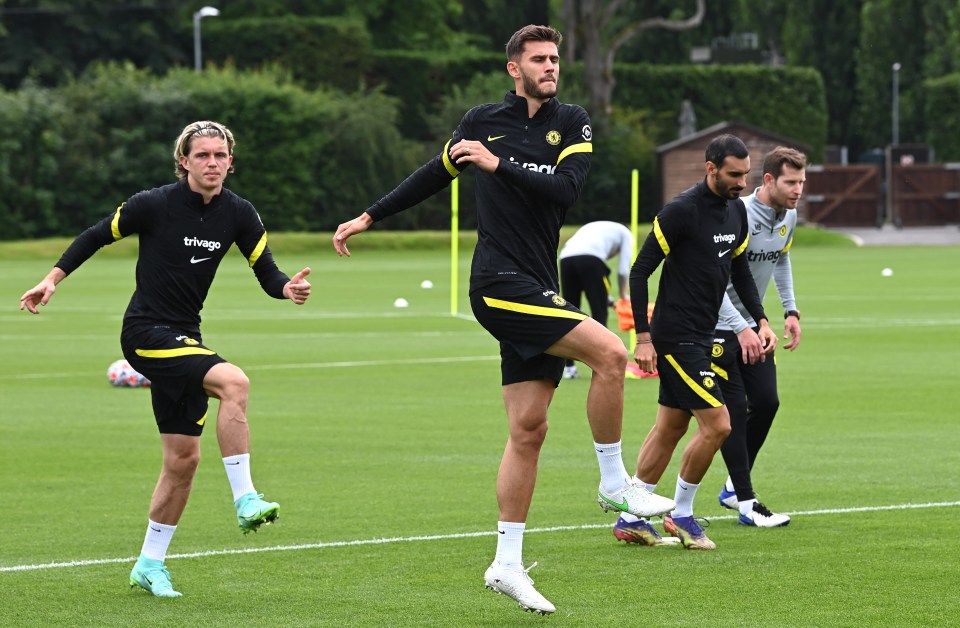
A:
x,y
728,499
153,576
252,511
689,532
641,533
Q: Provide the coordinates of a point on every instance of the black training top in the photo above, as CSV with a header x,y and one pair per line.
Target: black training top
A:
x,y
701,237
181,244
544,162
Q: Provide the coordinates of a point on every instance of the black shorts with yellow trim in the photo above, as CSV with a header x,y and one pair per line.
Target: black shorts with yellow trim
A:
x,y
687,378
175,363
527,319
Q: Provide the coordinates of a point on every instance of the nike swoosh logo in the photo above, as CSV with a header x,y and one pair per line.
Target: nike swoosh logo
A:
x,y
194,260
722,253
621,506
155,529
491,138
502,531
234,463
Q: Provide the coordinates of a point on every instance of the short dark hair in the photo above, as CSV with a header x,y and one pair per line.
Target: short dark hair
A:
x,y
724,146
531,32
774,161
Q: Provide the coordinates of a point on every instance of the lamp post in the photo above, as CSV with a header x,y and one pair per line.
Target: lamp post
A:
x,y
895,105
199,15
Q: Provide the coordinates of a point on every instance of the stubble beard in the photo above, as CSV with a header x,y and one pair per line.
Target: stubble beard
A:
x,y
535,89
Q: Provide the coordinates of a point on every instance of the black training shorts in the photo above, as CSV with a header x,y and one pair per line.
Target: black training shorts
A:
x,y
175,363
687,378
527,319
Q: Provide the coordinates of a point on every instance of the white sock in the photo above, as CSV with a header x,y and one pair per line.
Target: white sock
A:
x,y
510,543
746,506
728,485
157,540
613,475
626,516
238,472
684,498
646,485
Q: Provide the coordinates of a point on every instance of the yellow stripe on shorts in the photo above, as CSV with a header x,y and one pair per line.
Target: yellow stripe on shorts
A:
x,y
694,386
719,371
173,353
535,310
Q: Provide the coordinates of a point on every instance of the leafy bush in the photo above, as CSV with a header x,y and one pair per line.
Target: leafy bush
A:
x,y
305,159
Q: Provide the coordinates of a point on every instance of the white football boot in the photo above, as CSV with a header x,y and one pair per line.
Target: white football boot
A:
x,y
516,582
636,500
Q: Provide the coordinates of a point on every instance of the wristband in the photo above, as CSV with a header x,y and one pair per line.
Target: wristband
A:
x,y
790,313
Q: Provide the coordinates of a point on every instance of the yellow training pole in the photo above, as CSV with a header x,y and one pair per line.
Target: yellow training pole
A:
x,y
454,243
634,228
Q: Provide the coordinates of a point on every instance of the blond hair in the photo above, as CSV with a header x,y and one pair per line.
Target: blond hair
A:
x,y
201,128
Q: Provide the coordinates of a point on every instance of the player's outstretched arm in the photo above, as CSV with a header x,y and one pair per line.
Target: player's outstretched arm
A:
x,y
347,229
298,288
42,292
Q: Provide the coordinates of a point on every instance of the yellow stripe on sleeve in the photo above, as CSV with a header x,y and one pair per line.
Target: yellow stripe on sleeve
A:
x,y
743,246
258,250
694,386
115,224
786,249
449,165
660,237
582,147
535,310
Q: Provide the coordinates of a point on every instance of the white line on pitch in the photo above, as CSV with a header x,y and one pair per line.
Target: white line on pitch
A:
x,y
309,365
440,537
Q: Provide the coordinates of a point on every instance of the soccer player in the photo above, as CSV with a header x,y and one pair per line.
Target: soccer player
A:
x,y
750,390
584,270
185,230
700,236
531,153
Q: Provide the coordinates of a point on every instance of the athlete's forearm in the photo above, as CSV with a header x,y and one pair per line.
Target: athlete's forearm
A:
x,y
647,261
426,181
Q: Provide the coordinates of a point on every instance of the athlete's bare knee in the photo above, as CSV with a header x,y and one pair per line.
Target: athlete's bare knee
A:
x,y
229,383
611,359
529,433
182,464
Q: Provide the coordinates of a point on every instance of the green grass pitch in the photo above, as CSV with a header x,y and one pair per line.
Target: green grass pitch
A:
x,y
379,431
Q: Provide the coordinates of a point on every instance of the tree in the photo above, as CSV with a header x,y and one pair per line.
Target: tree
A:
x,y
51,40
596,35
821,34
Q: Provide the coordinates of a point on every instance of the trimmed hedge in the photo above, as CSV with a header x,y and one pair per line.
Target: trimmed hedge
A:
x,y
307,160
333,51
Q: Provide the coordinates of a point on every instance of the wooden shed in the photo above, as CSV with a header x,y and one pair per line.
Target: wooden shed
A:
x,y
681,162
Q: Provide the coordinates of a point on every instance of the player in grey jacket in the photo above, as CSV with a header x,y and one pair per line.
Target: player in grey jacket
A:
x,y
750,390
